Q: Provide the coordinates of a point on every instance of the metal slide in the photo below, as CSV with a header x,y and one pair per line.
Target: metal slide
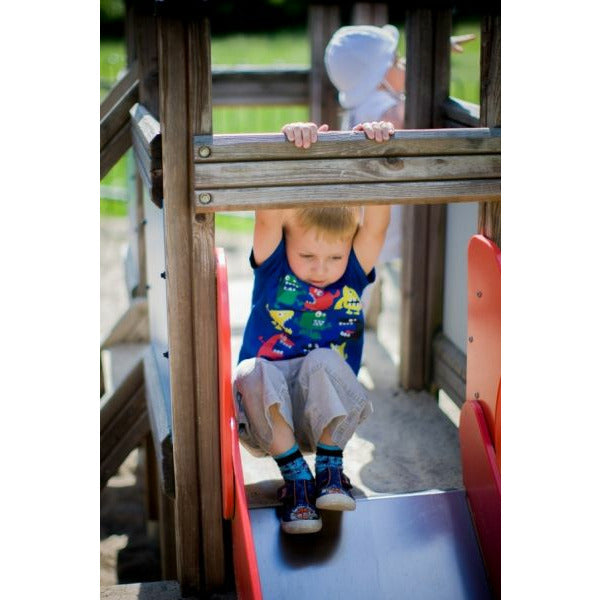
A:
x,y
417,546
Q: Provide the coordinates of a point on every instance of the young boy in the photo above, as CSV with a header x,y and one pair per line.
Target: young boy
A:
x,y
296,379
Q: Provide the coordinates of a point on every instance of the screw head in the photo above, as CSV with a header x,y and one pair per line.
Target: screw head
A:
x,y
470,338
204,152
479,294
204,198
476,395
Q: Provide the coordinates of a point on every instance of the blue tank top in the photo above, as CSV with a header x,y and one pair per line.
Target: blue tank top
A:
x,y
289,317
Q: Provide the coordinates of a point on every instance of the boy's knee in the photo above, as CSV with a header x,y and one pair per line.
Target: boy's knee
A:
x,y
323,357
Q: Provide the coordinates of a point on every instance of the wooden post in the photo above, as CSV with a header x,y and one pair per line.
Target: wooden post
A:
x,y
489,213
370,13
423,239
185,109
323,21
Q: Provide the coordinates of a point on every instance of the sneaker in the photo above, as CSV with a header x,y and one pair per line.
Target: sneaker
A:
x,y
333,490
299,514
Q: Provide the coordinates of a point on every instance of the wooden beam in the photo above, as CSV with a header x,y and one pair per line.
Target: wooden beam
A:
x,y
370,13
173,122
489,214
131,327
323,21
121,88
406,193
449,368
204,315
335,144
346,171
184,83
117,116
123,422
252,86
119,143
423,240
464,114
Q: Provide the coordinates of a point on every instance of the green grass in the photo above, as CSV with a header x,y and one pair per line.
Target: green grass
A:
x,y
288,47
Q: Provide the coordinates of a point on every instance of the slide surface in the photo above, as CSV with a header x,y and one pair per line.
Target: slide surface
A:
x,y
409,546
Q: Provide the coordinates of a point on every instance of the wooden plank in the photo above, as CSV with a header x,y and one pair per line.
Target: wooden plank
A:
x,y
112,404
465,114
489,214
410,192
132,326
118,116
160,424
128,80
148,129
260,86
154,590
174,129
449,368
335,144
116,147
204,317
146,46
323,21
370,13
427,81
345,171
152,176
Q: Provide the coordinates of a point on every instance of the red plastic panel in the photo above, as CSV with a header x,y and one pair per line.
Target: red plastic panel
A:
x,y
497,431
483,347
225,391
247,578
235,505
482,482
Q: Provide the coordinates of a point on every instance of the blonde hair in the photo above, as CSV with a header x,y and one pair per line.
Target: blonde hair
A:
x,y
338,221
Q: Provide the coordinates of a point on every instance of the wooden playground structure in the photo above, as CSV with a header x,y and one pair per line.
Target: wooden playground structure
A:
x,y
168,402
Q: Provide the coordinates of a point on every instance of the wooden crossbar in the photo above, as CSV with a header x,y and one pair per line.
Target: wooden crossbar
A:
x,y
245,172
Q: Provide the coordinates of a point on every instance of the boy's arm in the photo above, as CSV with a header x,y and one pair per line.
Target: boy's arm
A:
x,y
370,236
268,230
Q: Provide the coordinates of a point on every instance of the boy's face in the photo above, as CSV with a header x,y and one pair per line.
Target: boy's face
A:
x,y
316,258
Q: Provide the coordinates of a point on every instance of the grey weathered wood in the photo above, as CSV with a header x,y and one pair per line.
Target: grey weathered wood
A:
x,y
335,144
370,13
323,21
118,115
114,149
121,88
160,424
148,130
489,214
131,327
123,422
409,192
449,368
174,129
185,108
345,171
204,317
465,114
250,85
427,80
149,167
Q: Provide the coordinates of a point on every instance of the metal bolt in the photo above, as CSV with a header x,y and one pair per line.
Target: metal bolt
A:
x,y
204,198
476,395
479,294
147,286
166,354
470,338
164,274
204,152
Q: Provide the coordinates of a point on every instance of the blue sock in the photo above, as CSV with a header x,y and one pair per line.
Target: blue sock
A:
x,y
328,457
292,464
